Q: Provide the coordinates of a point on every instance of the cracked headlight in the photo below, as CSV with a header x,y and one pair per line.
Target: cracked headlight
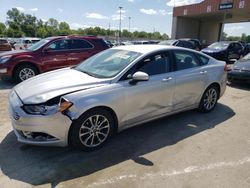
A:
x,y
4,59
46,110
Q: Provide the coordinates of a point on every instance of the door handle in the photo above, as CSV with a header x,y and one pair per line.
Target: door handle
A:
x,y
203,72
167,79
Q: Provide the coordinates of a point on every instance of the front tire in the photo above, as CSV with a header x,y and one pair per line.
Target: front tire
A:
x,y
209,99
24,72
91,130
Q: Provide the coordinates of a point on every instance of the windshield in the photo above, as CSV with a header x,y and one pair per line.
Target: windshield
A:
x,y
247,57
219,45
167,42
108,63
38,44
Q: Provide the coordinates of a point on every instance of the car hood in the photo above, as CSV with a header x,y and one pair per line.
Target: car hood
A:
x,y
15,52
44,87
242,64
212,50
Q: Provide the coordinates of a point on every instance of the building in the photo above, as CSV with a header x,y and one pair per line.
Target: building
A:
x,y
205,20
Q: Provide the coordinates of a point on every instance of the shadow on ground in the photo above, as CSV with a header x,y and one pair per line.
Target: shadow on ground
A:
x,y
42,165
7,83
240,85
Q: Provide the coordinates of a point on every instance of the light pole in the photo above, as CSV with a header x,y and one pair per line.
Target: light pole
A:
x,y
120,25
129,18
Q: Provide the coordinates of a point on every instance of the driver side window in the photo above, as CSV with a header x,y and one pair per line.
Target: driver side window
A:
x,y
59,45
152,65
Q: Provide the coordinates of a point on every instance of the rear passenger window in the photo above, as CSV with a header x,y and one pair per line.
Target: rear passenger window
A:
x,y
185,60
204,60
80,44
100,43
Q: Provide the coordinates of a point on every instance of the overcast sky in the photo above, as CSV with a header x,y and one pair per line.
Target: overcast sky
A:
x,y
147,15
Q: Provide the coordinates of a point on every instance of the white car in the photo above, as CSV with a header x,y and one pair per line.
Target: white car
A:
x,y
116,89
24,43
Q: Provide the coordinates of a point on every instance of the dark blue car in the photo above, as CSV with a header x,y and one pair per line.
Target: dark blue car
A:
x,y
225,50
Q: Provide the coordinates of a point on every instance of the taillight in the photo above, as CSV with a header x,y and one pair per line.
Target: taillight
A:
x,y
227,68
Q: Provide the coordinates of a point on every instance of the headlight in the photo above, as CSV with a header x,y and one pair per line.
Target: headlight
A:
x,y
4,59
46,110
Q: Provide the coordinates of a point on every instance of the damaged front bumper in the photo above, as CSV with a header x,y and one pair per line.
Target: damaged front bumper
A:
x,y
45,130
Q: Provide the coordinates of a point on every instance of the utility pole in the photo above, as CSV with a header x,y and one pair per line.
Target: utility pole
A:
x,y
129,18
120,25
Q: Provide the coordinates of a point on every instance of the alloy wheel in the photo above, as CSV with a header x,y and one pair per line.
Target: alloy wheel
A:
x,y
26,73
94,130
210,99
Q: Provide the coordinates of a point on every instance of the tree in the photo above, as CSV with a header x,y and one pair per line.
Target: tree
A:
x,y
2,28
64,29
244,37
224,36
126,33
165,36
41,32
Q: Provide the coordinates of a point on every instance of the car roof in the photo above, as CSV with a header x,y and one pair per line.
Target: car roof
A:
x,y
145,48
73,37
30,38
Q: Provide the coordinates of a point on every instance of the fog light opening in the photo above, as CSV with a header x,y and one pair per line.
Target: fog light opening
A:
x,y
38,136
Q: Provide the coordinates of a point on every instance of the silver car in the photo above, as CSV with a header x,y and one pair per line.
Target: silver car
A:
x,y
112,91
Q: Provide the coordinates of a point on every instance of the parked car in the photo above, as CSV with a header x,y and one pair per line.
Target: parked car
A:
x,y
196,43
247,48
4,45
116,89
179,43
225,50
24,43
49,54
240,71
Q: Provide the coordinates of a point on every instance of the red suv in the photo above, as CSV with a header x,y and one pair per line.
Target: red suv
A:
x,y
49,54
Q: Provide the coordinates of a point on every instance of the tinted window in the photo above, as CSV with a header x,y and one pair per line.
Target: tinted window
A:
x,y
237,46
204,60
185,60
27,41
157,64
102,43
2,41
80,44
59,45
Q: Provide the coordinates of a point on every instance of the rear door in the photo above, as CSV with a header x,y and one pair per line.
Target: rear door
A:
x,y
56,54
190,79
80,50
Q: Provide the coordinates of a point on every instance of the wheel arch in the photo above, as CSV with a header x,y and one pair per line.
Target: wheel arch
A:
x,y
23,63
217,85
110,110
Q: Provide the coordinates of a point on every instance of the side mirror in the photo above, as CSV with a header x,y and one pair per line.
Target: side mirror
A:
x,y
139,76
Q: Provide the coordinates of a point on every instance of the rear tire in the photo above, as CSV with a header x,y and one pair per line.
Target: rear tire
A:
x,y
91,130
24,72
209,99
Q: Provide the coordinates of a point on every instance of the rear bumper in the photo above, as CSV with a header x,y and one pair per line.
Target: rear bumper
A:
x,y
239,77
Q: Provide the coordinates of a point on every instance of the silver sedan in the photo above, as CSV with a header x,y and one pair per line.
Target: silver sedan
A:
x,y
112,91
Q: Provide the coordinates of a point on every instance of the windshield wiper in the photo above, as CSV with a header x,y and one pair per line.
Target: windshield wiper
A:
x,y
88,73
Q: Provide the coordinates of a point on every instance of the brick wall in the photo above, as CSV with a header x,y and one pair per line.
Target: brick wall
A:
x,y
207,7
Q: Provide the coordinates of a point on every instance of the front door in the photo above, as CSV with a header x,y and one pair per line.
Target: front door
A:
x,y
148,99
56,55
